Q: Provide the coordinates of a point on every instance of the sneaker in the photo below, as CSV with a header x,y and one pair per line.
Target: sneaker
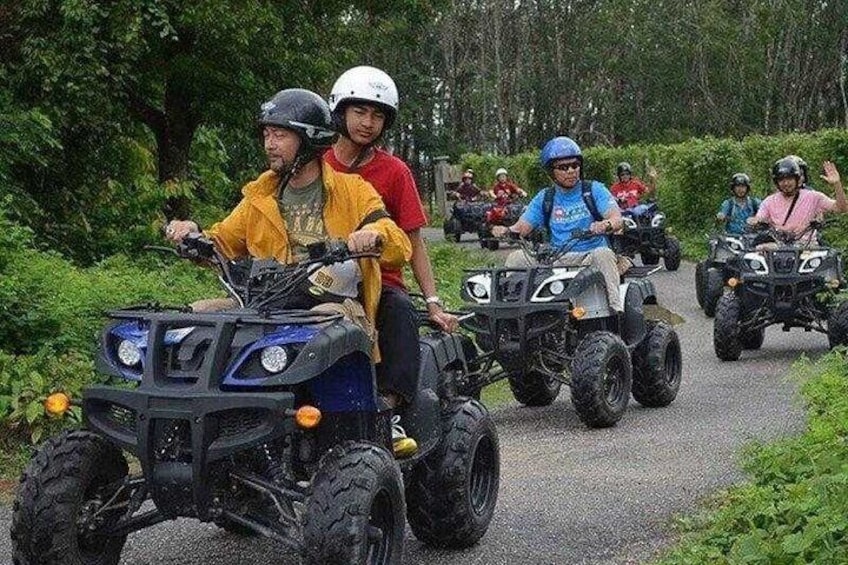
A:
x,y
403,446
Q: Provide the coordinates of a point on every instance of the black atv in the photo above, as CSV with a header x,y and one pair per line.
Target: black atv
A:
x,y
711,274
466,217
263,419
644,232
498,215
547,325
789,280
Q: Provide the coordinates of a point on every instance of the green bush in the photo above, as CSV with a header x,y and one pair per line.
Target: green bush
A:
x,y
793,509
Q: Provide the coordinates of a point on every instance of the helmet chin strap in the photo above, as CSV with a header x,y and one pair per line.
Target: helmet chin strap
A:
x,y
285,178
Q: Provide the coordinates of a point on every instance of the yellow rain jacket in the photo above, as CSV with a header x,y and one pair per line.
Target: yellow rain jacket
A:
x,y
256,228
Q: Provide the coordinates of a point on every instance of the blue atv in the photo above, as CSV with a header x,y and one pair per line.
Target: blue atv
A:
x,y
645,233
264,419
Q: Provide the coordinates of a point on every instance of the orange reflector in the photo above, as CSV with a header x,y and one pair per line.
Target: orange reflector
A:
x,y
578,312
307,416
732,282
57,404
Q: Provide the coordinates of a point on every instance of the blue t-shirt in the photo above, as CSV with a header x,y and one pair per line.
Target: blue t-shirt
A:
x,y
737,215
570,213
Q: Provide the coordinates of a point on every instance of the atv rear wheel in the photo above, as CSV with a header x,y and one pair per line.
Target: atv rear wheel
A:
x,y
70,491
713,289
452,492
753,339
672,254
837,325
700,281
453,230
601,378
534,388
657,366
726,335
355,508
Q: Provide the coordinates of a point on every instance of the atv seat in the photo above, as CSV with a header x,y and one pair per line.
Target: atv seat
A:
x,y
640,271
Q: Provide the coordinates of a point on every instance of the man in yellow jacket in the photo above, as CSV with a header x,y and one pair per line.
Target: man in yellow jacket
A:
x,y
300,200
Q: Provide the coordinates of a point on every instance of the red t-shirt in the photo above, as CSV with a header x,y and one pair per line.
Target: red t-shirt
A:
x,y
504,192
396,186
628,193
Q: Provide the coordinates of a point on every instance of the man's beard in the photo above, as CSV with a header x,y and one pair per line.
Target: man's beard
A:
x,y
279,165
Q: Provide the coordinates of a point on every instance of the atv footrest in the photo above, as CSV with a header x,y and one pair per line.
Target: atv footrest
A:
x,y
641,271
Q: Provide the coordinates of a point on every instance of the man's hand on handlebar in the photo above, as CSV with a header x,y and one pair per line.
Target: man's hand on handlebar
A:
x,y
177,230
363,241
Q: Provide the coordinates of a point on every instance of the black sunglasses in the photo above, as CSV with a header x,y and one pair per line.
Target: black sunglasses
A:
x,y
566,167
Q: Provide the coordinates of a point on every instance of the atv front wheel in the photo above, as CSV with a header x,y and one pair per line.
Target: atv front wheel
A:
x,y
657,366
452,493
649,257
453,230
70,492
727,340
355,508
534,388
672,254
837,325
700,282
601,378
713,288
753,339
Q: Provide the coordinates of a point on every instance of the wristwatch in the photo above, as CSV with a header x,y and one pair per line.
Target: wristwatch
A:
x,y
433,300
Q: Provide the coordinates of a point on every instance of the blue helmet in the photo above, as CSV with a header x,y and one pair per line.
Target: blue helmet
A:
x,y
559,148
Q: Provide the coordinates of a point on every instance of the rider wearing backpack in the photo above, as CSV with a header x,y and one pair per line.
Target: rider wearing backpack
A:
x,y
736,210
572,204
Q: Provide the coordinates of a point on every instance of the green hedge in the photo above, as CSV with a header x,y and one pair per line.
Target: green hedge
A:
x,y
694,175
51,313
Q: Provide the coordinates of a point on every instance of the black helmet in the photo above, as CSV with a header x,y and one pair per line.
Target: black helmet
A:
x,y
740,179
785,168
305,113
802,164
623,168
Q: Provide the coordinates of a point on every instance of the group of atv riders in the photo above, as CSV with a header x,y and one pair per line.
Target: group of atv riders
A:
x,y
328,178
792,206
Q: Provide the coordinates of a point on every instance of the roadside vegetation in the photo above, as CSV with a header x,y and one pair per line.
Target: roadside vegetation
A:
x,y
793,507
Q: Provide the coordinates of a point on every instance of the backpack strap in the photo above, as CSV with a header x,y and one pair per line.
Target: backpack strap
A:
x,y
547,209
588,199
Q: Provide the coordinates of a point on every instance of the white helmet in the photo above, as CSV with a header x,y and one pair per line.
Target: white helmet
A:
x,y
365,84
500,172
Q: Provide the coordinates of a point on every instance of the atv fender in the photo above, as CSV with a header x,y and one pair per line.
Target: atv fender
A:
x,y
440,354
588,290
636,294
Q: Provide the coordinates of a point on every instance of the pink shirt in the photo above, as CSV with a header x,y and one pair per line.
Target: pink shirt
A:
x,y
810,206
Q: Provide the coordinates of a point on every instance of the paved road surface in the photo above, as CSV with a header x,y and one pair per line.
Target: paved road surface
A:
x,y
573,495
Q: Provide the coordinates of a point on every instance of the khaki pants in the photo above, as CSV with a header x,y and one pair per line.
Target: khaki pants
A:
x,y
602,258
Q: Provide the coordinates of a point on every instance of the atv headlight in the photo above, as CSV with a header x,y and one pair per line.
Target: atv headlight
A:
x,y
814,263
129,353
756,263
478,290
734,244
658,220
274,359
556,287
629,223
